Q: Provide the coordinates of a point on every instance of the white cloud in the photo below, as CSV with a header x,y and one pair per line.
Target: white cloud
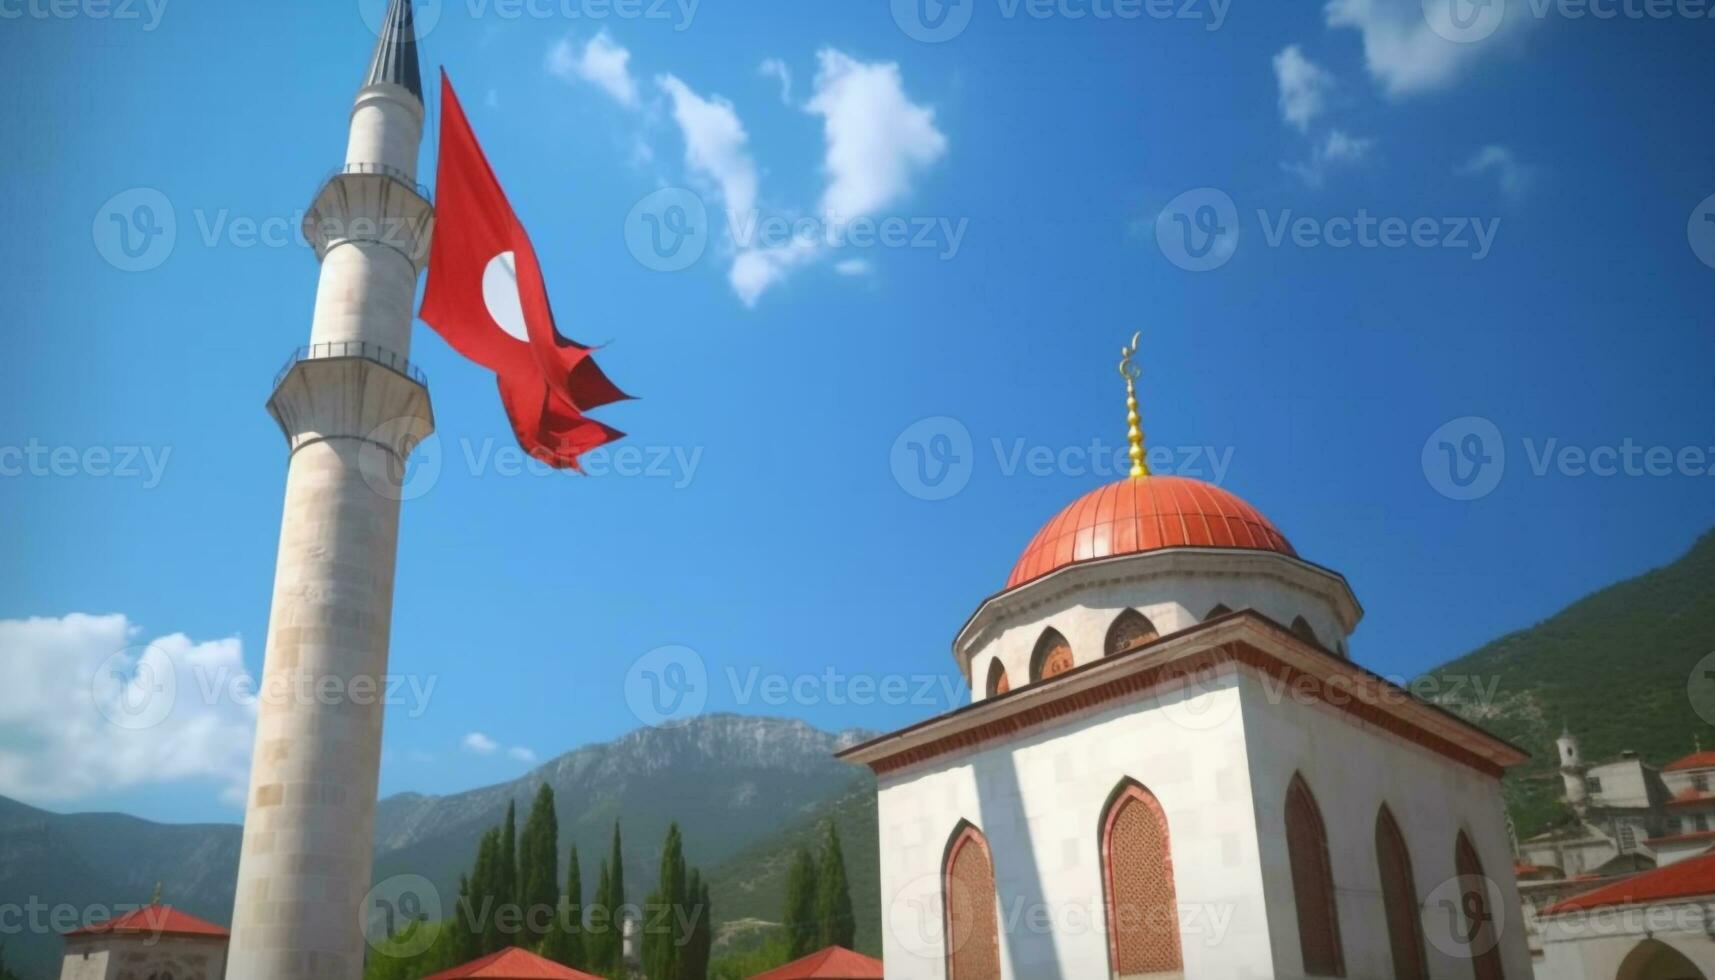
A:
x,y
521,753
1514,177
715,143
1338,149
600,62
775,68
854,267
877,138
1304,87
89,707
877,141
1401,50
479,743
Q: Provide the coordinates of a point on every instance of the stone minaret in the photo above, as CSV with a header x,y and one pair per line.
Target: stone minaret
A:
x,y
352,409
1572,772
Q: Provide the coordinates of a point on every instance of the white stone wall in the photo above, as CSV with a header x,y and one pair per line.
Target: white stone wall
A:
x,y
134,957
386,129
1352,770
1039,800
1622,783
1604,944
1220,763
1172,603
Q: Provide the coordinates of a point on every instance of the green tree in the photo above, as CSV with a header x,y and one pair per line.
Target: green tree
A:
x,y
507,885
799,917
701,942
5,973
539,867
599,920
664,936
564,943
836,925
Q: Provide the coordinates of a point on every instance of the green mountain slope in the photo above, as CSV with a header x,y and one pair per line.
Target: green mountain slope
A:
x,y
1614,667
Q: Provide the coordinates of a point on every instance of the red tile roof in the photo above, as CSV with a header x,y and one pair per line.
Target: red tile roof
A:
x,y
513,964
1684,879
1708,835
1148,514
1696,760
154,920
833,963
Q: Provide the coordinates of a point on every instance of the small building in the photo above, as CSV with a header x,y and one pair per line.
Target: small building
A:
x,y
513,963
833,963
1650,926
155,942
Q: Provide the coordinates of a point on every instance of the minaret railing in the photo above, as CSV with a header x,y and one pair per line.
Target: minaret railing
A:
x,y
353,349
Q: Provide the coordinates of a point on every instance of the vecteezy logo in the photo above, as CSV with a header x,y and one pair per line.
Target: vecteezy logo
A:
x,y
932,459
1198,231
135,687
1465,458
394,913
933,21
135,230
668,230
1701,231
425,14
1464,916
667,684
1700,688
395,477
1464,21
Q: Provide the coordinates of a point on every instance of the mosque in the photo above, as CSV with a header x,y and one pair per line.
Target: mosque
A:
x,y
1172,768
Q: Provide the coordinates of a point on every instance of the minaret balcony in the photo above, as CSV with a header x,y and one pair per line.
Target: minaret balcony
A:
x,y
355,390
372,203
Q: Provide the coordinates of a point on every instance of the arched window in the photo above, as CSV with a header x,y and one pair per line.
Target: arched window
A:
x,y
1312,883
1131,628
1053,655
1217,612
998,682
1399,900
1137,881
1653,959
1475,916
972,912
1301,627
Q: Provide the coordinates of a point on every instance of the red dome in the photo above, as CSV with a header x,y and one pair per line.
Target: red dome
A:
x,y
1148,514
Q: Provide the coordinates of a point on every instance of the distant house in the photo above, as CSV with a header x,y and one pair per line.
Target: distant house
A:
x,y
512,964
1651,926
833,963
155,942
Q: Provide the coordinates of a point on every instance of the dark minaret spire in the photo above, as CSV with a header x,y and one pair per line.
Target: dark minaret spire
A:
x,y
395,58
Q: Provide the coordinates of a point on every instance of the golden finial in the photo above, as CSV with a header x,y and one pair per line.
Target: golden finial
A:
x,y
1131,372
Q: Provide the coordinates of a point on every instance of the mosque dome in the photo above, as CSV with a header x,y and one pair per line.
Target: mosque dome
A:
x,y
1142,514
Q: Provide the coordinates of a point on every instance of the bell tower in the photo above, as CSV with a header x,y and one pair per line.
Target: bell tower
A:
x,y
352,408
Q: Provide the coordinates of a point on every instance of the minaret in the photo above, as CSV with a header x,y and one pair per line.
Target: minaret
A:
x,y
1572,771
352,409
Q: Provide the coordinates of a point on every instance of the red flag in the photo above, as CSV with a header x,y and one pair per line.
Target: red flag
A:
x,y
487,298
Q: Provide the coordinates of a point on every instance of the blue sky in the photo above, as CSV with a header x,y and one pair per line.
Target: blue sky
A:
x,y
776,525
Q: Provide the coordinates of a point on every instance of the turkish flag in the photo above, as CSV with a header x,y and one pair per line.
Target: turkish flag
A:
x,y
486,297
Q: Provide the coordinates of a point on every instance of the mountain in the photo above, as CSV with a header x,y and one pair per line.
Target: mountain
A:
x,y
733,782
1616,668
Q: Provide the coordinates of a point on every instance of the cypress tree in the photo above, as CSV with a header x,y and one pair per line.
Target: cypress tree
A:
x,y
613,936
539,866
799,917
836,925
600,922
698,948
508,881
467,937
664,937
565,942
486,885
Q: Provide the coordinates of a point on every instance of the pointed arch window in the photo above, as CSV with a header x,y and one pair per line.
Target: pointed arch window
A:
x,y
1312,883
998,683
1301,627
1053,655
1137,882
1475,916
972,927
1217,612
1130,629
1399,900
